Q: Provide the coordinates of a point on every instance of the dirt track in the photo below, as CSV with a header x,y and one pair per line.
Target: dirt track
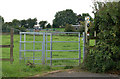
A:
x,y
74,73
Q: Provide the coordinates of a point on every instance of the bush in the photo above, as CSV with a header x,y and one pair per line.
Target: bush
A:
x,y
69,28
106,56
81,29
100,60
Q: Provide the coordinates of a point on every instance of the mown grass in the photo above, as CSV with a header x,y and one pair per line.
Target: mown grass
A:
x,y
21,69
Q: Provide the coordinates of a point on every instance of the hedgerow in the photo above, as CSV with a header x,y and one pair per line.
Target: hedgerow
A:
x,y
106,55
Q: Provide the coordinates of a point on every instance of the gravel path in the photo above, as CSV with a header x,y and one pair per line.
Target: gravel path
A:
x,y
74,73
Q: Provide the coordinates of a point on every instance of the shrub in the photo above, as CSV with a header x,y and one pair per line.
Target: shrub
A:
x,y
81,29
106,56
69,28
100,60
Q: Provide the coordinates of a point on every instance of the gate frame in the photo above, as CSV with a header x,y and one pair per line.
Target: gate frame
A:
x,y
51,33
43,46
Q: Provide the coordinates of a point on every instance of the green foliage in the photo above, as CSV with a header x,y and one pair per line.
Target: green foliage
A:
x,y
2,19
69,28
82,17
100,60
49,26
31,22
64,17
81,29
107,25
42,24
19,25
68,67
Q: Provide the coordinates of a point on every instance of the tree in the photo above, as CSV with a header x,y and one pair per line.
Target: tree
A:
x,y
31,22
81,18
16,23
48,26
1,19
42,24
24,23
64,17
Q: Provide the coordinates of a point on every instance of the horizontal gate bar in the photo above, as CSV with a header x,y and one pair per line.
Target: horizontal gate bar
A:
x,y
32,59
38,63
31,33
62,58
30,50
62,32
62,41
62,50
31,41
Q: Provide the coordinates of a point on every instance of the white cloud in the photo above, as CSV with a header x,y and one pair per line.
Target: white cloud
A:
x,y
41,9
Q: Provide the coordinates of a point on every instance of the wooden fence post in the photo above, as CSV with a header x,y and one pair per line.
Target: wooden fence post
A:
x,y
11,46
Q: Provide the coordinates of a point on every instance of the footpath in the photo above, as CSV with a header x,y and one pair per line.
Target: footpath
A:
x,y
76,73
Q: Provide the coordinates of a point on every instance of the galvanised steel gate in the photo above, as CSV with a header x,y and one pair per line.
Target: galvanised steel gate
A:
x,y
47,46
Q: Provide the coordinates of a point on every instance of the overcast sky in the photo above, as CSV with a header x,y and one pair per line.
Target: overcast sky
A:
x,y
41,9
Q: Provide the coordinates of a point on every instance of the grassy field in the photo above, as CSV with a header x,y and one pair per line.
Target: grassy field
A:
x,y
21,69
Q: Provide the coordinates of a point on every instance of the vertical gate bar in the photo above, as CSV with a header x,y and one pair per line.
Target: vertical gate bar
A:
x,y
20,49
24,46
33,48
43,49
46,47
83,46
51,49
79,50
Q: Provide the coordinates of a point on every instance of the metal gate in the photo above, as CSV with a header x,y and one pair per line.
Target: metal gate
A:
x,y
45,55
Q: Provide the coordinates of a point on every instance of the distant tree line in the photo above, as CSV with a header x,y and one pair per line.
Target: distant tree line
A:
x,y
22,25
62,19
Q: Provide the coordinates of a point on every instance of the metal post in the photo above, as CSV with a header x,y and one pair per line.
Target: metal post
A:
x,y
83,46
20,50
86,29
33,48
43,49
24,46
79,49
51,49
46,48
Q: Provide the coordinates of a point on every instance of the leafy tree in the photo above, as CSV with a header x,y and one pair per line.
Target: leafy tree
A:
x,y
16,23
42,24
81,18
1,23
24,23
31,22
7,26
2,19
64,17
48,26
